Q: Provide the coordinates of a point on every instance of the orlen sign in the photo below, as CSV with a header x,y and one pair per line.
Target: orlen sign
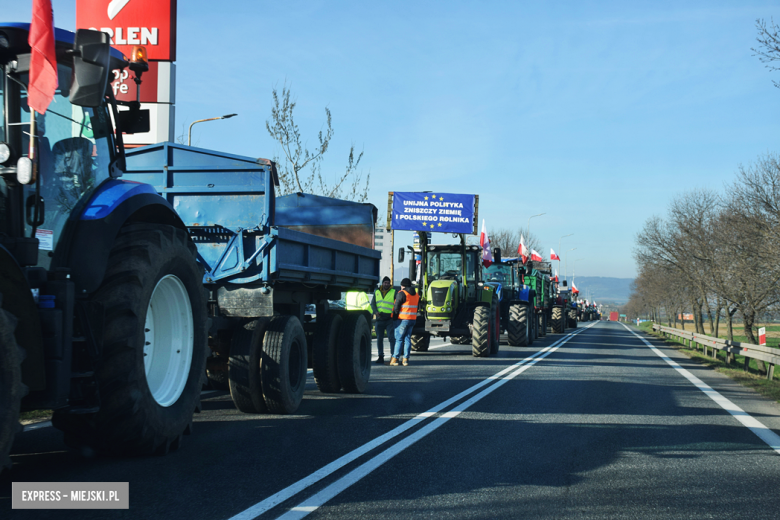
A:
x,y
151,23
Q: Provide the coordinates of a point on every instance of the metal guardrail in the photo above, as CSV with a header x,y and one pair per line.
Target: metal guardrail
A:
x,y
769,355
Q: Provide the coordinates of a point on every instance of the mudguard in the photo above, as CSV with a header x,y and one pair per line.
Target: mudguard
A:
x,y
92,229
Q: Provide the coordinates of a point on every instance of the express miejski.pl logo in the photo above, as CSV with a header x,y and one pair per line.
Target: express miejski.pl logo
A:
x,y
114,6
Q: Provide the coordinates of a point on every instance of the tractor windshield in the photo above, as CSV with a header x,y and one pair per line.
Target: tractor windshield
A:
x,y
501,273
444,265
74,150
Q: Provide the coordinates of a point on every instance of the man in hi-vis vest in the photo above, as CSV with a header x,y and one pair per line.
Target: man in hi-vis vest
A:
x,y
382,307
357,301
405,311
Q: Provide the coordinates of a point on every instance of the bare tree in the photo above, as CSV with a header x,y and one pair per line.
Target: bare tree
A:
x,y
509,241
298,157
768,50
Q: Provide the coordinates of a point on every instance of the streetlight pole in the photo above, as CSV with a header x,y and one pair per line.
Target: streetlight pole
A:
x,y
528,229
565,263
559,251
189,132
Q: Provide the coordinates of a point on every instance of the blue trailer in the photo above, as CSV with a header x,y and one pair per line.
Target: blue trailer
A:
x,y
112,297
265,259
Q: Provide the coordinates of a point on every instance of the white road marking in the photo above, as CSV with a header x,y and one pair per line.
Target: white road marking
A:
x,y
765,434
292,490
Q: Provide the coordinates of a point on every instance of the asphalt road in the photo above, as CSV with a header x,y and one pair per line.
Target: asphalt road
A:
x,y
594,424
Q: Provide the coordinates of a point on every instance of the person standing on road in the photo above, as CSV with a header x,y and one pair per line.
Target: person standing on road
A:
x,y
357,301
405,313
382,307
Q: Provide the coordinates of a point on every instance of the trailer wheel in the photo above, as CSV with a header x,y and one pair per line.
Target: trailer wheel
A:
x,y
557,320
325,353
421,342
459,340
481,331
244,375
572,319
516,328
11,387
355,353
153,361
284,363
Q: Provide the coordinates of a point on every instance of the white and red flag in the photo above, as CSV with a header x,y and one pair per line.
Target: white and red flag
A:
x,y
484,242
536,257
556,277
522,250
574,289
43,60
553,256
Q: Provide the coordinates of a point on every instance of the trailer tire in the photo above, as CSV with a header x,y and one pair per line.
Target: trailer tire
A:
x,y
284,364
481,331
557,320
572,319
155,308
244,366
518,321
325,353
459,340
11,387
355,353
421,342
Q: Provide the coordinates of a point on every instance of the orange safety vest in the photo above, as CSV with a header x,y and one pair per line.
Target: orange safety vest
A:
x,y
409,307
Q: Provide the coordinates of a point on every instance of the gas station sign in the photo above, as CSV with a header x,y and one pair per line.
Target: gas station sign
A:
x,y
151,23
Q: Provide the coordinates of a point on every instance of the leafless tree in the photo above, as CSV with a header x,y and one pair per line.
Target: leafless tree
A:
x,y
768,50
297,157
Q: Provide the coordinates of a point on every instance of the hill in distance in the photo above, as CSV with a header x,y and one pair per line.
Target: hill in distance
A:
x,y
604,289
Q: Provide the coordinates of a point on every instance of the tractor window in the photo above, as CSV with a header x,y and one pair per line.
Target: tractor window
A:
x,y
74,152
501,273
444,265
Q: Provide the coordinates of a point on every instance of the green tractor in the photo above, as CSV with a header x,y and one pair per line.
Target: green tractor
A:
x,y
454,301
539,278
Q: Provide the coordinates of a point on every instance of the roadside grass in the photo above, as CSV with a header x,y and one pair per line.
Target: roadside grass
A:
x,y
734,370
772,332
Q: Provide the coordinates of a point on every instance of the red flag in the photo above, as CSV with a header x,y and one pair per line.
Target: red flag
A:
x,y
574,289
484,242
553,256
536,257
522,250
556,276
43,60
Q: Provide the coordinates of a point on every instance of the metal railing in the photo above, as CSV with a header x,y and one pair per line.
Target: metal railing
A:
x,y
769,355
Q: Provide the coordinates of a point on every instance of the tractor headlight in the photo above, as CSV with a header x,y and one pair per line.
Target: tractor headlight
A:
x,y
5,153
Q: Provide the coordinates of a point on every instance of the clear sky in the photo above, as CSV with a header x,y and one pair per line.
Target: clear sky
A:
x,y
595,113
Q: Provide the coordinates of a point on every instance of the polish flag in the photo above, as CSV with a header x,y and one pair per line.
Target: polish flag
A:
x,y
574,289
522,250
536,257
484,242
553,256
556,277
43,60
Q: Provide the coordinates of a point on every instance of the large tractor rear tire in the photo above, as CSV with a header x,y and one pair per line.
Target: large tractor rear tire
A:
x,y
421,342
572,319
557,320
325,353
244,374
153,362
11,387
284,365
481,331
355,353
516,328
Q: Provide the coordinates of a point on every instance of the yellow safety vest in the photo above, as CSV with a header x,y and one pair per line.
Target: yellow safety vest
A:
x,y
357,301
384,304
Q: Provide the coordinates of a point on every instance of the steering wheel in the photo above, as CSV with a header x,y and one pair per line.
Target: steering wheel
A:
x,y
452,274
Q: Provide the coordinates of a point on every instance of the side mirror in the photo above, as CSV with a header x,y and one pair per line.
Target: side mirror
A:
x,y
400,255
90,68
497,255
